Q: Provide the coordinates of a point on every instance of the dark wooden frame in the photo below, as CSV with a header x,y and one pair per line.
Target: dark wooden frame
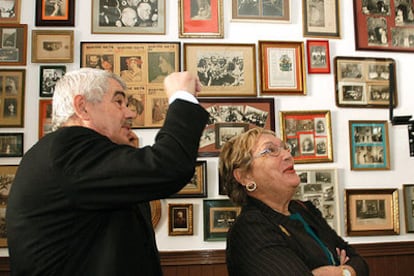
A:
x,y
12,97
67,19
14,19
16,52
174,227
47,86
197,187
14,142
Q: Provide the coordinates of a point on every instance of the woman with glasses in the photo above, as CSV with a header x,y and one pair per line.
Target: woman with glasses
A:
x,y
274,234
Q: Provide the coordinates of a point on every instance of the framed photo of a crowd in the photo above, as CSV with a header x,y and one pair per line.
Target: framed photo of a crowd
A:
x,y
52,46
197,187
369,145
309,134
143,66
13,44
261,11
180,219
408,193
53,13
232,116
10,11
321,18
7,174
12,83
319,60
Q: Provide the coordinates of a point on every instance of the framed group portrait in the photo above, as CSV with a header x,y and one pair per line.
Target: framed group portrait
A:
x,y
49,75
261,11
128,17
180,219
52,46
408,194
197,187
10,11
309,135
12,88
7,174
13,44
11,144
372,212
321,18
319,59
55,13
369,145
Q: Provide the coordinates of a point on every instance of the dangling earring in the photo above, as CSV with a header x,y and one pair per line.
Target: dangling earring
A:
x,y
251,187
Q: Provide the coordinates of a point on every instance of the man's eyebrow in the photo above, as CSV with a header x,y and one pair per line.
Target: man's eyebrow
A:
x,y
119,92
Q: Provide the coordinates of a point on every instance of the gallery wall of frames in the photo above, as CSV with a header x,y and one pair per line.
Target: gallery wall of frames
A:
x,y
299,68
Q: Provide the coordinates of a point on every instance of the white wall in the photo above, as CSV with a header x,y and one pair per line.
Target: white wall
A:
x,y
320,95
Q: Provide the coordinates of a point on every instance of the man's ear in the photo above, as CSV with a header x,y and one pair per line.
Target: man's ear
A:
x,y
79,104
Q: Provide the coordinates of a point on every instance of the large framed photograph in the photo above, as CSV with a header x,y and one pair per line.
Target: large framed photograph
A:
x,y
321,19
12,85
7,174
320,186
197,187
45,117
309,134
384,25
232,116
369,145
49,75
219,215
364,82
128,17
372,212
55,13
201,19
180,219
282,67
319,60
11,144
143,66
52,46
261,11
408,193
10,11
13,47
223,69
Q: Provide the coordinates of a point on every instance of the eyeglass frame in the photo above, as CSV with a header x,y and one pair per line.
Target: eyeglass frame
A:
x,y
266,151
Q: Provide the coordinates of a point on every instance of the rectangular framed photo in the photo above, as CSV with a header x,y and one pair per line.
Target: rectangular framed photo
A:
x,y
13,47
7,174
45,117
232,116
12,85
320,186
180,219
319,61
309,134
50,46
372,212
364,82
53,13
128,17
10,11
11,144
143,66
369,145
49,75
321,19
197,187
282,68
201,19
408,193
261,11
225,70
219,215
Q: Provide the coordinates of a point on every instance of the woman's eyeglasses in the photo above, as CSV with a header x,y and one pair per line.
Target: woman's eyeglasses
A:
x,y
273,150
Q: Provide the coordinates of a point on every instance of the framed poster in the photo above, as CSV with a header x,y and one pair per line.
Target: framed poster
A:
x,y
282,68
321,18
128,17
11,144
197,187
369,145
180,219
45,117
49,75
309,134
54,13
52,46
223,69
143,66
319,60
10,11
12,84
408,193
261,11
201,19
13,47
7,174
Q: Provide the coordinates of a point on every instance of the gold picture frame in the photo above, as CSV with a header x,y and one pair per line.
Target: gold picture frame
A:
x,y
13,44
408,193
7,174
12,82
180,219
197,187
10,11
50,46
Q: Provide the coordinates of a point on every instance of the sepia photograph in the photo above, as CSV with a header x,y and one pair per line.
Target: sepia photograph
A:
x,y
180,219
51,46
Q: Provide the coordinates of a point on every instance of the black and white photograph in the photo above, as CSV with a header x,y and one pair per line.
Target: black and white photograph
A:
x,y
11,144
226,131
9,11
49,75
259,10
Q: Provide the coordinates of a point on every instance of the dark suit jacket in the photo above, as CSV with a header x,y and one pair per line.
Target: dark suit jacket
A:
x,y
264,242
79,203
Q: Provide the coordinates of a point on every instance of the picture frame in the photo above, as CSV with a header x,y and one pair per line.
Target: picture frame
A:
x,y
230,116
11,144
55,13
372,212
143,66
207,60
12,83
219,215
48,77
364,82
261,11
387,26
197,187
321,19
45,117
320,186
180,219
50,46
118,17
309,134
282,68
319,59
369,145
7,174
408,194
155,207
204,20
13,47
10,11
